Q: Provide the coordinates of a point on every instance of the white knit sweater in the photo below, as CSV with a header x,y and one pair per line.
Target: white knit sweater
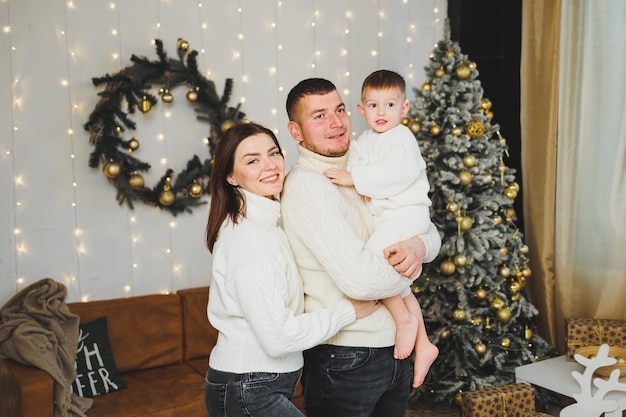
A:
x,y
327,226
256,297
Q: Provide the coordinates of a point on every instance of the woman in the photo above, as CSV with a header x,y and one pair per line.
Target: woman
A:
x,y
256,297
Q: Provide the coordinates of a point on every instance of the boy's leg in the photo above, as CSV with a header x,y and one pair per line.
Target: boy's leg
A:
x,y
406,326
425,351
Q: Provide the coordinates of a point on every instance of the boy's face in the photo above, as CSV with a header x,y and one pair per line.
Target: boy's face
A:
x,y
383,109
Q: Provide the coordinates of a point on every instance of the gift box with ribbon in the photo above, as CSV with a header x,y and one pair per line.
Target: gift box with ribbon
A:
x,y
593,332
512,400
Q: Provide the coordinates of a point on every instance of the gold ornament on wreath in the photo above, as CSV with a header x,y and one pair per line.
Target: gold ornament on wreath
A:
x,y
128,91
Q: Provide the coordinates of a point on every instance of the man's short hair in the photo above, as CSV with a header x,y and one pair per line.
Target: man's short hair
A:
x,y
310,86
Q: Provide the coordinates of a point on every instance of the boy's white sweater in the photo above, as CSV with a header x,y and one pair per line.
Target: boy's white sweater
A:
x,y
256,297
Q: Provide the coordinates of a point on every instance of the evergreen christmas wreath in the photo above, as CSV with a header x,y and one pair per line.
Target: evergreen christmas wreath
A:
x,y
108,121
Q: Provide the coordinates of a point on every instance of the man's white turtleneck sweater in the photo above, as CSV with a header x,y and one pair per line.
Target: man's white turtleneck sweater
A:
x,y
327,226
256,297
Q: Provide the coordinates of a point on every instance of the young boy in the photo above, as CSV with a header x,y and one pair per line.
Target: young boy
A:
x,y
385,165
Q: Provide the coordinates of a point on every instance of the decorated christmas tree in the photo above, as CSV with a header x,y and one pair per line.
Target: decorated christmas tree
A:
x,y
474,295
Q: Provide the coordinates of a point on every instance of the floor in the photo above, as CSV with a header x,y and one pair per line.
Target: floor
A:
x,y
435,410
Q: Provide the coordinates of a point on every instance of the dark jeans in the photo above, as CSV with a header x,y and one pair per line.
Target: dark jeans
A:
x,y
257,394
341,381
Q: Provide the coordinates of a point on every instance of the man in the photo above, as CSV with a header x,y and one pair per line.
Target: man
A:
x,y
354,373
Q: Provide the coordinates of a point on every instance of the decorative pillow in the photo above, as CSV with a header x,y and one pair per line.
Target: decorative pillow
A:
x,y
96,372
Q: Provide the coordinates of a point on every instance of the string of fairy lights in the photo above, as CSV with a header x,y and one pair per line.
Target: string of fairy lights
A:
x,y
139,252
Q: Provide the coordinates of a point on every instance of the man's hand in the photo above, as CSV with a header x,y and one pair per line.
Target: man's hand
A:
x,y
406,256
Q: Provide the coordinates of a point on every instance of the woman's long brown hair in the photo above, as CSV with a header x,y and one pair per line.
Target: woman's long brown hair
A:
x,y
228,200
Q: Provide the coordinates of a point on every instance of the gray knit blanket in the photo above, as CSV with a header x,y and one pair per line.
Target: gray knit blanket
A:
x,y
38,329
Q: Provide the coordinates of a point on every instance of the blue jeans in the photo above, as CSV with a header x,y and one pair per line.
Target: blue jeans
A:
x,y
341,381
257,394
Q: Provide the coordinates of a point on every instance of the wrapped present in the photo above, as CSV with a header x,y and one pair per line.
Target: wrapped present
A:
x,y
593,332
506,401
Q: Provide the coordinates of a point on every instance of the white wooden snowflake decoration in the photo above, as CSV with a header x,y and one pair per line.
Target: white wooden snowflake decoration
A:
x,y
593,404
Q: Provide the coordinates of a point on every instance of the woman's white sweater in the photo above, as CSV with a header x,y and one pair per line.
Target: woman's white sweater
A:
x,y
256,297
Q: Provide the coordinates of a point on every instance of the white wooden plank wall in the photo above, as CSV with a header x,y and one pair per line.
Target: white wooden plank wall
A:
x,y
59,218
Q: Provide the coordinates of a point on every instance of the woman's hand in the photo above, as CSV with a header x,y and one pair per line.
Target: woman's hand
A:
x,y
364,308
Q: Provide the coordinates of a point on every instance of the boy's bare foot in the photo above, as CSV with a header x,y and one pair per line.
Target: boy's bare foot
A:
x,y
425,355
405,338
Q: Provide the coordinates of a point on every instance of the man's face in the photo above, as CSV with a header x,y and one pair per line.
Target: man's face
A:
x,y
322,124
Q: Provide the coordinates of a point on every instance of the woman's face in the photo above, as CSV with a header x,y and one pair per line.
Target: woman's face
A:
x,y
258,166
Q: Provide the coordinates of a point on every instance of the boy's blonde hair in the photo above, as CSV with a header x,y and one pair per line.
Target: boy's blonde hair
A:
x,y
383,80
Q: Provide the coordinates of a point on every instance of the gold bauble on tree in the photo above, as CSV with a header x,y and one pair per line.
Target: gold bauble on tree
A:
x,y
465,177
475,128
112,170
449,53
405,120
504,271
514,287
469,161
415,126
182,44
463,71
133,144
452,207
485,104
460,259
440,72
456,131
435,130
144,105
466,223
472,65
445,334
497,304
504,315
425,86
497,220
195,189
480,348
506,342
510,192
459,314
523,249
476,321
528,333
136,182
510,212
480,294
526,272
447,267
192,95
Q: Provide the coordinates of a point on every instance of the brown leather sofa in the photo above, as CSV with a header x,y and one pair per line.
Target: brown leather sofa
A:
x,y
160,343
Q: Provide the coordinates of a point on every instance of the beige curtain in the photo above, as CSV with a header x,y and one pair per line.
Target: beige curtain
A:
x,y
573,158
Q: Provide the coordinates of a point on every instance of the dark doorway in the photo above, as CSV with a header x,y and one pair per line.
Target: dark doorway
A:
x,y
489,33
